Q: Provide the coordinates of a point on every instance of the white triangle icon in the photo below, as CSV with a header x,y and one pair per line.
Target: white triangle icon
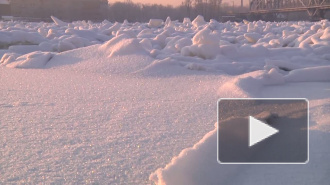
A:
x,y
259,131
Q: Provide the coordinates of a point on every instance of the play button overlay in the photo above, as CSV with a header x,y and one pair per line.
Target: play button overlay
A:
x,y
263,131
258,131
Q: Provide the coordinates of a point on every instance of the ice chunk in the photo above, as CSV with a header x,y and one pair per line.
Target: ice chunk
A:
x,y
273,77
155,23
186,21
51,34
168,21
251,27
5,40
252,51
8,58
198,21
204,51
146,44
58,22
206,36
194,66
205,45
316,27
25,37
115,27
322,50
310,74
326,34
229,50
87,34
65,46
46,46
282,65
179,44
186,24
24,49
252,37
123,46
32,60
145,33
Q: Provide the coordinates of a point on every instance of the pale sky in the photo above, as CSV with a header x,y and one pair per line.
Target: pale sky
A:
x,y
177,2
163,2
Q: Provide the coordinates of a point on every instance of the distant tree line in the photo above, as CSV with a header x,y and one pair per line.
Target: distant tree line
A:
x,y
64,9
97,10
135,12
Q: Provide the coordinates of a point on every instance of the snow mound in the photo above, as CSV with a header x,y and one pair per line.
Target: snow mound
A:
x,y
71,43
198,165
32,60
311,74
180,171
123,45
205,45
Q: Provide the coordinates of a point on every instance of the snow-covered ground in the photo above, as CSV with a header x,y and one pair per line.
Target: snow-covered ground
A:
x,y
129,103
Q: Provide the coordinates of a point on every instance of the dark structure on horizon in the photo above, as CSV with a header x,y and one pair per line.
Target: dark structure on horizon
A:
x,y
5,9
276,9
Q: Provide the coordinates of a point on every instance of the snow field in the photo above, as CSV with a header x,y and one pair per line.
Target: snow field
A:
x,y
111,103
